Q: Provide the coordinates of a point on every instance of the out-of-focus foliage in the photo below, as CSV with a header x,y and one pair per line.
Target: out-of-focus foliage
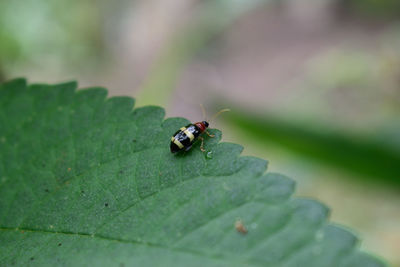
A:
x,y
365,157
211,18
55,33
356,88
376,8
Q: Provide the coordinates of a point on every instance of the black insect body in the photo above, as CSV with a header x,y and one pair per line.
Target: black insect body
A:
x,y
184,138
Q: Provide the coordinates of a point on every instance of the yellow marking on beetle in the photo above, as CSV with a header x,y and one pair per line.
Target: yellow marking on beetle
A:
x,y
176,142
189,134
183,129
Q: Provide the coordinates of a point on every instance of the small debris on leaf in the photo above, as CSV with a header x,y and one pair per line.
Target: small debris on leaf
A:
x,y
240,227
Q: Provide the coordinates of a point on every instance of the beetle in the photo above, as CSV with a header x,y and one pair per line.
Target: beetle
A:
x,y
184,138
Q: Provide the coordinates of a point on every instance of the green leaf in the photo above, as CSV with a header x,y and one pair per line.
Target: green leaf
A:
x,y
86,180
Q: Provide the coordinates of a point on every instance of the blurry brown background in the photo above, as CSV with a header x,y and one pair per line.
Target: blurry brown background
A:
x,y
326,66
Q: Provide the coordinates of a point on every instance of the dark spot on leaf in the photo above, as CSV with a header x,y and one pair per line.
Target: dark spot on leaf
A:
x,y
59,244
133,140
32,258
43,165
106,204
46,190
121,172
83,192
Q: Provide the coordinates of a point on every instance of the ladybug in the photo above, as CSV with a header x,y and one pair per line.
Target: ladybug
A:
x,y
184,138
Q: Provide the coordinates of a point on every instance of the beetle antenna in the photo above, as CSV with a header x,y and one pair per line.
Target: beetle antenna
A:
x,y
219,113
203,111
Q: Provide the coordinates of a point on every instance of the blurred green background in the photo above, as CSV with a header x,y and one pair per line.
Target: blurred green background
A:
x,y
314,85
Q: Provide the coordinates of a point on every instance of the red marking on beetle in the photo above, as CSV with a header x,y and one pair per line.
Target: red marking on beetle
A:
x,y
201,126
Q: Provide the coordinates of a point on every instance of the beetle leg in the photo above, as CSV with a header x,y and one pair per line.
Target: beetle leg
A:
x,y
202,144
210,135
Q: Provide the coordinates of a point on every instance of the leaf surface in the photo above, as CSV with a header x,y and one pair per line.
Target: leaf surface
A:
x,y
86,180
